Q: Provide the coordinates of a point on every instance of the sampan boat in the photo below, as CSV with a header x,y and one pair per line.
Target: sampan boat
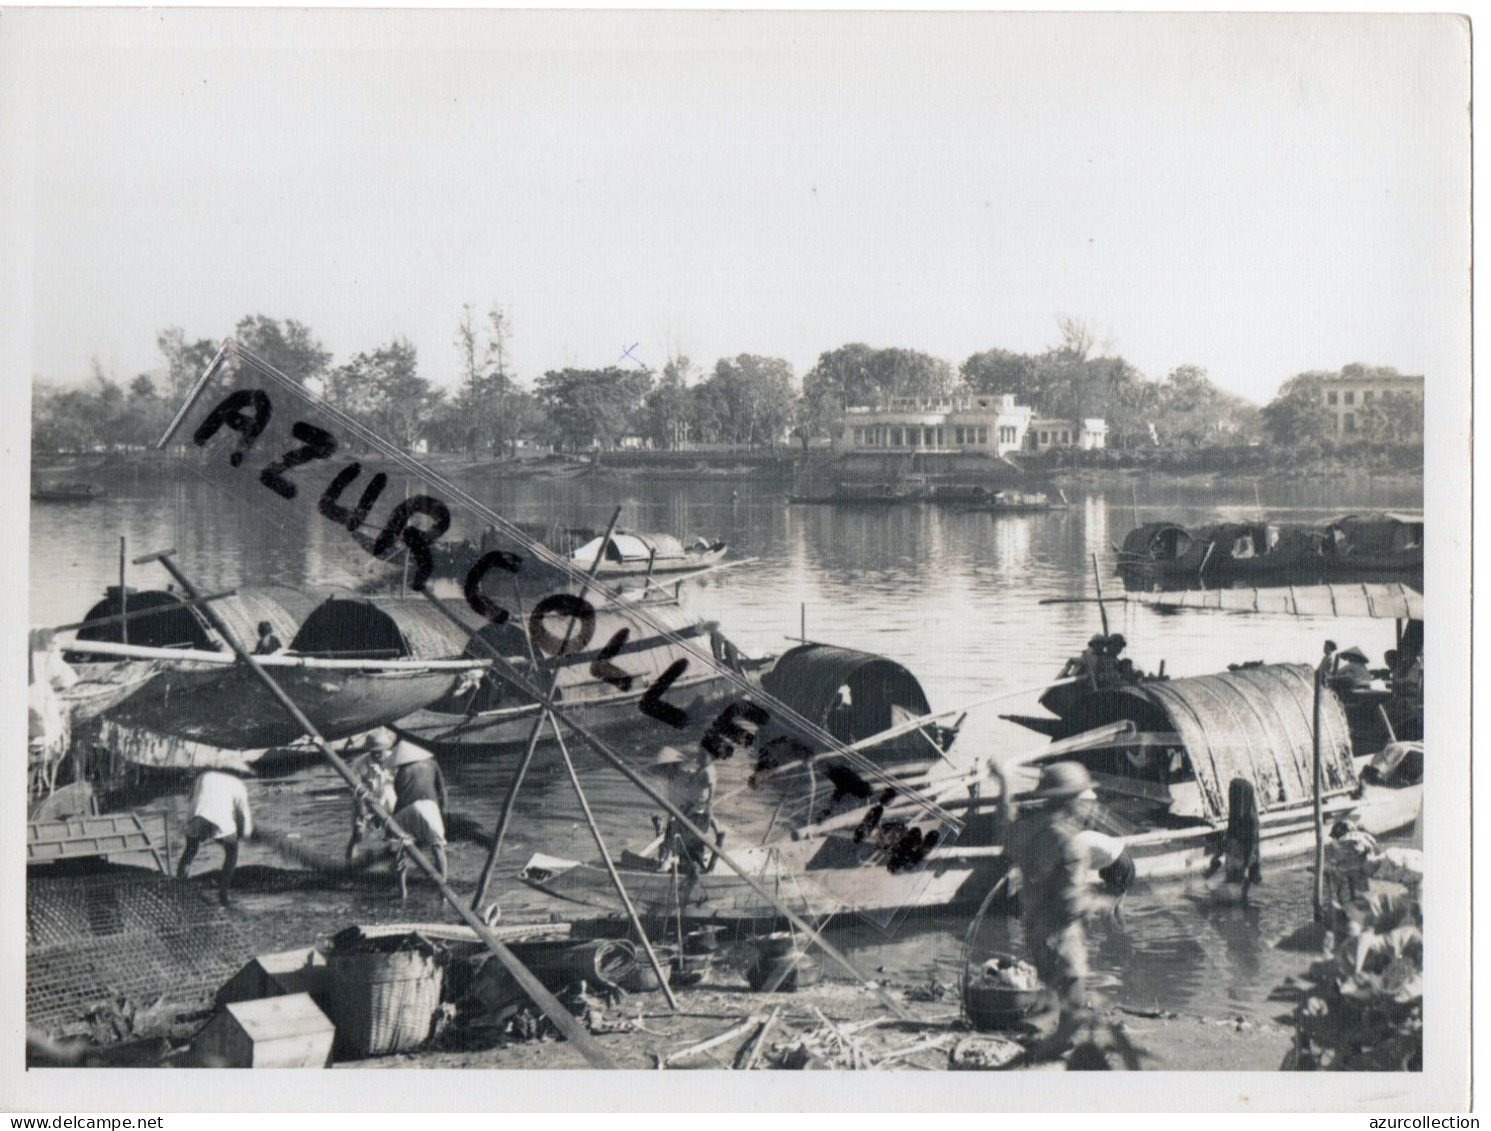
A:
x,y
494,719
353,665
1163,783
626,554
1387,543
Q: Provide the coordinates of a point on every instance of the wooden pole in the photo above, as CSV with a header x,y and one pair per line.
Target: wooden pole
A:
x,y
123,597
1098,581
504,818
600,844
562,1018
661,800
138,614
1325,661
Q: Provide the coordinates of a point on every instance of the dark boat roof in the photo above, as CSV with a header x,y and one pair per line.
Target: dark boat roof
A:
x,y
1139,540
807,679
379,628
1254,723
183,626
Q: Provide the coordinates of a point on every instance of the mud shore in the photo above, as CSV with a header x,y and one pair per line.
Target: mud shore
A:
x,y
1163,1041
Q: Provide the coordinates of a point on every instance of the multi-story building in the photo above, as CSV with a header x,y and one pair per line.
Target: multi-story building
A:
x,y
1048,432
1355,393
992,423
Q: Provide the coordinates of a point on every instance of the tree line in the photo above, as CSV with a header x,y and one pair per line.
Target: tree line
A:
x,y
750,400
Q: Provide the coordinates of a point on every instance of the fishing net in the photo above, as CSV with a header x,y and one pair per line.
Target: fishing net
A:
x,y
102,938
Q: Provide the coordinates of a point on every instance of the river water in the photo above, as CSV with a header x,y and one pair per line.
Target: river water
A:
x,y
953,596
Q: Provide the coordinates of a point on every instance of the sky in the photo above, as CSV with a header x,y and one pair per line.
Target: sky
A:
x,y
1256,195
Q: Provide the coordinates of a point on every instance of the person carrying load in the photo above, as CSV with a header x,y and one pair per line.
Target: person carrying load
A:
x,y
374,770
691,789
1045,846
420,799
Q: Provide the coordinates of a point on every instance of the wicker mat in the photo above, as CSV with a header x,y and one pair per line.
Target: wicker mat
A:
x,y
142,936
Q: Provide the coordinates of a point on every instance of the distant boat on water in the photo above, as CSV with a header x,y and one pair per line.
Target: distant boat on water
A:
x,y
1229,551
862,495
66,493
626,553
1021,502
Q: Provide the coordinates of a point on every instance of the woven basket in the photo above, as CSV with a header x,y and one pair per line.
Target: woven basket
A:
x,y
384,1003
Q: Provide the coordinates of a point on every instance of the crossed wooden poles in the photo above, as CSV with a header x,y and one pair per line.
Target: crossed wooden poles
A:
x,y
552,716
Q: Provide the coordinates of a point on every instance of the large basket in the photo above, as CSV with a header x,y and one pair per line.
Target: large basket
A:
x,y
384,1003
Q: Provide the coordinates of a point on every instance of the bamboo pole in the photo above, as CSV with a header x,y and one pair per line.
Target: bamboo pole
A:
x,y
123,597
278,660
1319,816
138,614
504,818
600,844
1098,581
662,801
562,1018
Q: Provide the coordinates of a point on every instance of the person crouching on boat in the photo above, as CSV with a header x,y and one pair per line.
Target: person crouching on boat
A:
x,y
1242,845
219,809
691,789
374,770
1045,846
268,643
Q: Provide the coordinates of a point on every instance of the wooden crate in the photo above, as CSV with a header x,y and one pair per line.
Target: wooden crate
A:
x,y
274,975
273,1032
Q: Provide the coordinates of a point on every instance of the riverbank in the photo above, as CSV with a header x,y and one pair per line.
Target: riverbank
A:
x,y
648,1034
781,467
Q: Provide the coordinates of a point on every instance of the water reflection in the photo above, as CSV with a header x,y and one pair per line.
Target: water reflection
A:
x,y
953,596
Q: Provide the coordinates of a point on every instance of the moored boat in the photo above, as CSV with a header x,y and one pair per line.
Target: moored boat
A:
x,y
832,876
1357,547
353,665
66,493
1165,551
1163,780
860,494
1020,502
1374,543
626,553
493,718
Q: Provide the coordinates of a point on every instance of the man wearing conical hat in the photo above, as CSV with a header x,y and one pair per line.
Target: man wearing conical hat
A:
x,y
691,786
419,795
1044,845
374,770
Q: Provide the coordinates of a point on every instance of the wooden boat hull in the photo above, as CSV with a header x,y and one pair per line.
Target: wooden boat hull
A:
x,y
229,708
1016,508
785,870
1181,853
636,568
101,687
850,500
169,754
505,732
954,878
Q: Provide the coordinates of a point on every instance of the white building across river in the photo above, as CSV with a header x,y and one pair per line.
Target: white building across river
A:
x,y
994,424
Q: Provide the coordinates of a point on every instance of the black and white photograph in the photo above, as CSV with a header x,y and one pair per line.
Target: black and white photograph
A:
x,y
738,542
